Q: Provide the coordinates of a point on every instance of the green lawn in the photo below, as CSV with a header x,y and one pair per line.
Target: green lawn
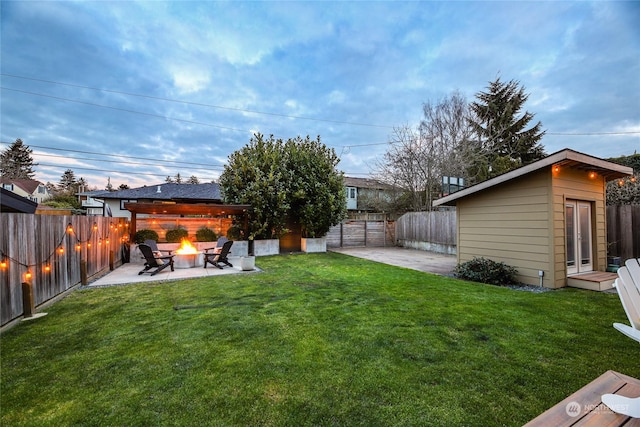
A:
x,y
313,340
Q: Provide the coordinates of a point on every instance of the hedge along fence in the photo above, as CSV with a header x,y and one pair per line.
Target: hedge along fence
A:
x,y
163,224
54,254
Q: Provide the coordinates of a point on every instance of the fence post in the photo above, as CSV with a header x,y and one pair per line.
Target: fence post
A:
x,y
28,307
111,260
83,272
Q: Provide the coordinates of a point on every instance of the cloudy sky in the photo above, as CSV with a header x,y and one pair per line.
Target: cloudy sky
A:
x,y
136,91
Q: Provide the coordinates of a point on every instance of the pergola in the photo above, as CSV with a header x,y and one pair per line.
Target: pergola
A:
x,y
184,209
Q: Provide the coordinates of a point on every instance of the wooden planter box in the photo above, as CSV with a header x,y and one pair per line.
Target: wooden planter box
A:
x,y
316,244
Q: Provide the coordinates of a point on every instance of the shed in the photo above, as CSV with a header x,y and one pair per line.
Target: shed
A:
x,y
546,219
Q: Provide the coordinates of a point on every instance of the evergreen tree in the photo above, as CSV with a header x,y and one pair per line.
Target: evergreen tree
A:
x,y
501,129
16,162
68,182
193,180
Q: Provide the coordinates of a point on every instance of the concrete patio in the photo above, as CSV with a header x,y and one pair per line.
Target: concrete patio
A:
x,y
429,262
128,273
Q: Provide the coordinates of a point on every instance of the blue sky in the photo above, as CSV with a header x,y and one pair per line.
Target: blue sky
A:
x,y
156,83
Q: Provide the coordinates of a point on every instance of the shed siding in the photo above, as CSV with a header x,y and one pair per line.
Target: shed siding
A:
x,y
574,184
510,225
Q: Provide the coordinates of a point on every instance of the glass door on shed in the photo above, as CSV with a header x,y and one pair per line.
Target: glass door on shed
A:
x,y
578,236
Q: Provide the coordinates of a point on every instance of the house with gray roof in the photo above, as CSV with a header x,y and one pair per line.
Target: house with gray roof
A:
x,y
167,193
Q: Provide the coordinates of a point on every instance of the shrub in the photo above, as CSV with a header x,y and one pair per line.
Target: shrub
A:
x,y
205,234
145,234
175,235
234,232
486,271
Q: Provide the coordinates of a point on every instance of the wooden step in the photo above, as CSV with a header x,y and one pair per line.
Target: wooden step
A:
x,y
593,281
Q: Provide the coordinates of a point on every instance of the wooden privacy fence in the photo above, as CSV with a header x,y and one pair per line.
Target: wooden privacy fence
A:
x,y
623,231
434,231
53,254
354,232
161,225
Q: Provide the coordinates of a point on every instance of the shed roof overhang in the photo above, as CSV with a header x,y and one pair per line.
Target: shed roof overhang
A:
x,y
186,209
563,158
11,202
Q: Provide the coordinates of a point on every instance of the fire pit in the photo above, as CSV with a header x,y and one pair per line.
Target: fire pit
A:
x,y
187,256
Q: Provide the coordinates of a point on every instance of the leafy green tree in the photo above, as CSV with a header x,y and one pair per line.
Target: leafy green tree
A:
x,y
123,187
294,179
633,161
625,191
63,200
255,175
504,142
16,161
316,188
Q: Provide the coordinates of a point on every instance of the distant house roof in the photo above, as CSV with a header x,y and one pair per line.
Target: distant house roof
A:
x,y
209,192
562,158
11,202
366,183
28,185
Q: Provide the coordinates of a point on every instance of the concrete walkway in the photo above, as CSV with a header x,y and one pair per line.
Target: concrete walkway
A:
x,y
415,259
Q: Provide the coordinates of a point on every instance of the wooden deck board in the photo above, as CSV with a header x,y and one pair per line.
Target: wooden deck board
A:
x,y
585,407
594,281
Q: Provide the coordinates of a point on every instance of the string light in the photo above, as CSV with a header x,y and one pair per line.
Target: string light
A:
x,y
46,265
592,175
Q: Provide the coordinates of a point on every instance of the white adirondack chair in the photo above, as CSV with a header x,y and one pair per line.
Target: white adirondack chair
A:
x,y
628,286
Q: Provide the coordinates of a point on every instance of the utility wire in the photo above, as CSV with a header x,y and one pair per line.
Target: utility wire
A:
x,y
122,172
198,103
241,110
124,110
121,162
117,155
